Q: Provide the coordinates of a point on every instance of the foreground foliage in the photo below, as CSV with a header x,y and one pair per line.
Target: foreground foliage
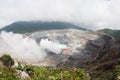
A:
x,y
43,73
6,60
7,73
38,73
116,74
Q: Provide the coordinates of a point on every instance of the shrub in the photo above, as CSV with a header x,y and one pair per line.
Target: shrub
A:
x,y
7,73
39,73
7,60
116,73
43,73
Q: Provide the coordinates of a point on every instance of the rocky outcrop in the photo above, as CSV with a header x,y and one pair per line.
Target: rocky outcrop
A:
x,y
107,59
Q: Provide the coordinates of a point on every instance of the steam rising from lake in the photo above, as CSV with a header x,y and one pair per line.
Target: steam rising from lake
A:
x,y
26,49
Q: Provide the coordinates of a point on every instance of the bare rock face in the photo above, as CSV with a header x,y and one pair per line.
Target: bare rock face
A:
x,y
84,46
23,75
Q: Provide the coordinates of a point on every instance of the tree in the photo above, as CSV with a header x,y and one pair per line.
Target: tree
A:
x,y
7,60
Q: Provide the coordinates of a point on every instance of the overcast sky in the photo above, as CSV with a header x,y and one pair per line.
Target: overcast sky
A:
x,y
92,14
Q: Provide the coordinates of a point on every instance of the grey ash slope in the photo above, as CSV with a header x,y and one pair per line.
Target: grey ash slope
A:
x,y
32,26
85,45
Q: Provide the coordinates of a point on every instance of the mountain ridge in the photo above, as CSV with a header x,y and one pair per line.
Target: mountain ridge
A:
x,y
32,26
114,33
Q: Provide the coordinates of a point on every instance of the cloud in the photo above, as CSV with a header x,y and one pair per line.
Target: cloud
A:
x,y
91,14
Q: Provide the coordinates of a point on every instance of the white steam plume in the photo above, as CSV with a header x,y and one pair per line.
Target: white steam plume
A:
x,y
52,46
25,49
20,48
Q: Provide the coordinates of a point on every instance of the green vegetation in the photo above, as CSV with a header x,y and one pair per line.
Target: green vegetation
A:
x,y
32,26
7,73
116,74
45,73
38,73
108,31
115,33
7,60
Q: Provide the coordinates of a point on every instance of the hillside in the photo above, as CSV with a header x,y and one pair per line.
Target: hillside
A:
x,y
108,31
115,33
32,26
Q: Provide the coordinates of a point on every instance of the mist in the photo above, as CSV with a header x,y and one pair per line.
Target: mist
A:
x,y
91,14
25,49
52,46
20,48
